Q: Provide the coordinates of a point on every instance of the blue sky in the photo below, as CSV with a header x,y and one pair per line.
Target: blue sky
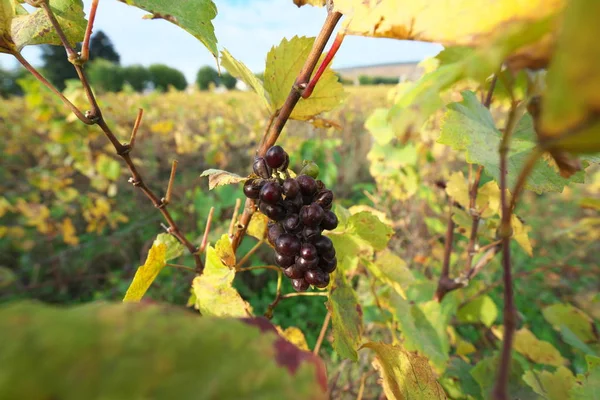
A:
x,y
248,29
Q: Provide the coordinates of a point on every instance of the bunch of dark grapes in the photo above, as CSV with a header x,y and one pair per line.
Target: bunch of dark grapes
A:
x,y
299,210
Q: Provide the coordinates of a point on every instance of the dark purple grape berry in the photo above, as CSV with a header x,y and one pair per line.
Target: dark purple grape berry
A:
x,y
261,168
291,206
300,285
329,254
288,245
312,215
251,190
307,200
317,277
327,265
293,272
306,264
320,185
310,234
276,212
286,163
324,198
275,157
270,193
275,230
323,244
330,221
292,224
284,261
308,251
308,185
291,188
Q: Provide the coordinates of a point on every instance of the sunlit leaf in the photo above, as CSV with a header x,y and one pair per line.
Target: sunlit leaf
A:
x,y
482,309
127,351
551,385
570,106
346,317
240,71
391,270
295,336
587,387
469,126
69,233
225,251
378,126
164,248
218,177
284,63
405,375
520,234
193,16
369,228
214,293
577,321
538,351
258,226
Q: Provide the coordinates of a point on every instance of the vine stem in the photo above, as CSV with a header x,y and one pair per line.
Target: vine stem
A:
x,y
510,316
445,283
249,254
123,150
285,111
322,333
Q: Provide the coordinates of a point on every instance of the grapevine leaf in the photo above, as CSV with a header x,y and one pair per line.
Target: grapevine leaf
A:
x,y
7,277
482,309
391,270
572,340
520,234
458,382
488,195
225,251
214,293
164,248
559,315
284,63
258,226
218,177
240,71
369,228
538,351
7,13
193,16
379,127
295,336
587,387
571,104
469,126
346,317
405,375
127,351
485,374
551,386
417,331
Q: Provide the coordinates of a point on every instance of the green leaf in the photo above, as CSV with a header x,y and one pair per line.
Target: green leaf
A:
x,y
7,13
587,386
127,351
391,270
284,63
214,292
7,277
379,127
469,126
108,167
482,309
218,177
458,382
569,119
417,332
240,71
193,16
346,317
405,375
35,28
485,373
551,385
164,248
369,228
571,339
574,319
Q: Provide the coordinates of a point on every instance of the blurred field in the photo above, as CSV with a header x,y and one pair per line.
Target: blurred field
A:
x,y
73,230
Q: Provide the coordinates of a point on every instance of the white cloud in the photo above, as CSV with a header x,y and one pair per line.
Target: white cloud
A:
x,y
248,30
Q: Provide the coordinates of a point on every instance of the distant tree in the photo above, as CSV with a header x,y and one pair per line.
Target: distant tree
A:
x,y
58,69
105,76
205,76
365,80
137,76
8,82
228,81
163,76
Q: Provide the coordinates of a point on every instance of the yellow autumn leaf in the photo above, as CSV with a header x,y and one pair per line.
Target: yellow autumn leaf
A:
x,y
5,206
258,226
68,232
295,336
536,350
406,375
570,106
164,248
284,62
225,251
214,293
551,386
521,235
239,70
458,189
451,22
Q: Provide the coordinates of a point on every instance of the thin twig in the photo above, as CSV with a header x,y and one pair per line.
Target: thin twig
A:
x,y
236,210
269,312
445,283
339,38
286,110
256,267
136,126
322,333
85,47
167,199
361,388
209,219
300,294
249,254
181,267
